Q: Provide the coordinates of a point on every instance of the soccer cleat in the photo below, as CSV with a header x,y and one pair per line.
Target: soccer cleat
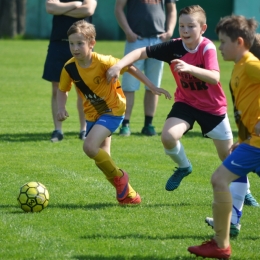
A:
x,y
132,201
210,249
250,200
148,130
175,180
82,135
56,136
121,185
125,131
234,228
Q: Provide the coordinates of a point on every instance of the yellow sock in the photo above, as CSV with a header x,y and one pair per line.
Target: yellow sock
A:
x,y
105,163
132,192
222,210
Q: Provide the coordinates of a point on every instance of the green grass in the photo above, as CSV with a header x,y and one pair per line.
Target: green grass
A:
x,y
83,219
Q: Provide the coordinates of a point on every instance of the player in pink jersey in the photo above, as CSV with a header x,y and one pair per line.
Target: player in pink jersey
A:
x,y
199,96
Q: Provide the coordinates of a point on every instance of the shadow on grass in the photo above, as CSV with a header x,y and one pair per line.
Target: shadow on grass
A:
x,y
108,205
33,137
146,237
100,257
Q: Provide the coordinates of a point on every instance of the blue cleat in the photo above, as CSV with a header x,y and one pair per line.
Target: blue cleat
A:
x,y
175,180
250,200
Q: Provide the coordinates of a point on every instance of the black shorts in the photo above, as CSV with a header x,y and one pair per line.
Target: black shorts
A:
x,y
206,121
58,54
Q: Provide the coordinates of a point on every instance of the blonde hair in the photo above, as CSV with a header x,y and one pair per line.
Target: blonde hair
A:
x,y
255,48
195,9
81,26
235,26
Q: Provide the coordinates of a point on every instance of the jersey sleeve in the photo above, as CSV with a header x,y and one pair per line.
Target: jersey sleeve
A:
x,y
108,61
65,81
210,57
252,69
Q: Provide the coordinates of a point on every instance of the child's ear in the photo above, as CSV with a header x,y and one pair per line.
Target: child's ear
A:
x,y
203,28
240,41
92,43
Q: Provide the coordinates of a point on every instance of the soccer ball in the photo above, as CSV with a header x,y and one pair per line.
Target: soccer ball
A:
x,y
33,197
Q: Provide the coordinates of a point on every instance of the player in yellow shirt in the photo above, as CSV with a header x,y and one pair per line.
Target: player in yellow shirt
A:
x,y
104,103
236,35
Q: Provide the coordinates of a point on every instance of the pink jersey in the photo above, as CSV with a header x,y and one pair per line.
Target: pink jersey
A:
x,y
191,90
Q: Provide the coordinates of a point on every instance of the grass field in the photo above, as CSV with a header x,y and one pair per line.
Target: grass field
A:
x,y
83,219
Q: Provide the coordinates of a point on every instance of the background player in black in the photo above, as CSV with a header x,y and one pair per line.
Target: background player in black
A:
x,y
65,13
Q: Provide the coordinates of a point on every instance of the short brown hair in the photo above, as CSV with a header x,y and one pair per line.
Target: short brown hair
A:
x,y
81,26
255,48
192,9
235,26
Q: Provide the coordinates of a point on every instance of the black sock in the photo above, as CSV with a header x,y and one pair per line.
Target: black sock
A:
x,y
125,122
148,120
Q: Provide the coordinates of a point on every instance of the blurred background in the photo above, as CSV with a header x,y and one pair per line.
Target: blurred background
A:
x,y
28,18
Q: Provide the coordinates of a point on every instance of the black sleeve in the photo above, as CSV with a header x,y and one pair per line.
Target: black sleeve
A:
x,y
166,51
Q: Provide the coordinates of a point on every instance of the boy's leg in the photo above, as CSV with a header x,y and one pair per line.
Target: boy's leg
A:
x,y
104,162
171,134
153,70
57,134
219,246
238,189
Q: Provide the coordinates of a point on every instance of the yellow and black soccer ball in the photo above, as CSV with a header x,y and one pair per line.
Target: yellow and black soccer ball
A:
x,y
33,197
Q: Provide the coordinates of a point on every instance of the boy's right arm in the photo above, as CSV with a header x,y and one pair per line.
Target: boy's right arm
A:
x,y
113,73
62,114
122,20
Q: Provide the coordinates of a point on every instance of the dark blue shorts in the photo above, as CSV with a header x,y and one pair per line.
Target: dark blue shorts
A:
x,y
58,54
244,159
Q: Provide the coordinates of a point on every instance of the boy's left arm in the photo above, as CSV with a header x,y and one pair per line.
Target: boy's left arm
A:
x,y
62,97
140,76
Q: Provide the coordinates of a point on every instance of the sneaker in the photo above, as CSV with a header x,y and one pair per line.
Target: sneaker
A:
x,y
210,249
121,185
82,135
250,200
125,131
148,130
234,228
132,201
175,180
56,136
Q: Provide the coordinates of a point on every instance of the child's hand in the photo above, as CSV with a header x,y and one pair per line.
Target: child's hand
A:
x,y
113,73
62,115
180,66
159,91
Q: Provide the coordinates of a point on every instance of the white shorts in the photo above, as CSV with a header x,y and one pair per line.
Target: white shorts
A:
x,y
222,131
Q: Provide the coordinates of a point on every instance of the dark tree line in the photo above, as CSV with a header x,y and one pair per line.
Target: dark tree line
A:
x,y
12,18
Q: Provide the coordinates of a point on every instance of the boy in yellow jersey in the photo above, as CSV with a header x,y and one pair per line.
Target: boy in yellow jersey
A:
x,y
249,199
104,103
236,35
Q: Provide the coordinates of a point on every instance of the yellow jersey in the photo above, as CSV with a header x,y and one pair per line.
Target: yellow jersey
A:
x,y
245,89
98,97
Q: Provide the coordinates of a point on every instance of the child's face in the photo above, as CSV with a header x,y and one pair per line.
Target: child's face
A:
x,y
80,47
227,48
190,30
